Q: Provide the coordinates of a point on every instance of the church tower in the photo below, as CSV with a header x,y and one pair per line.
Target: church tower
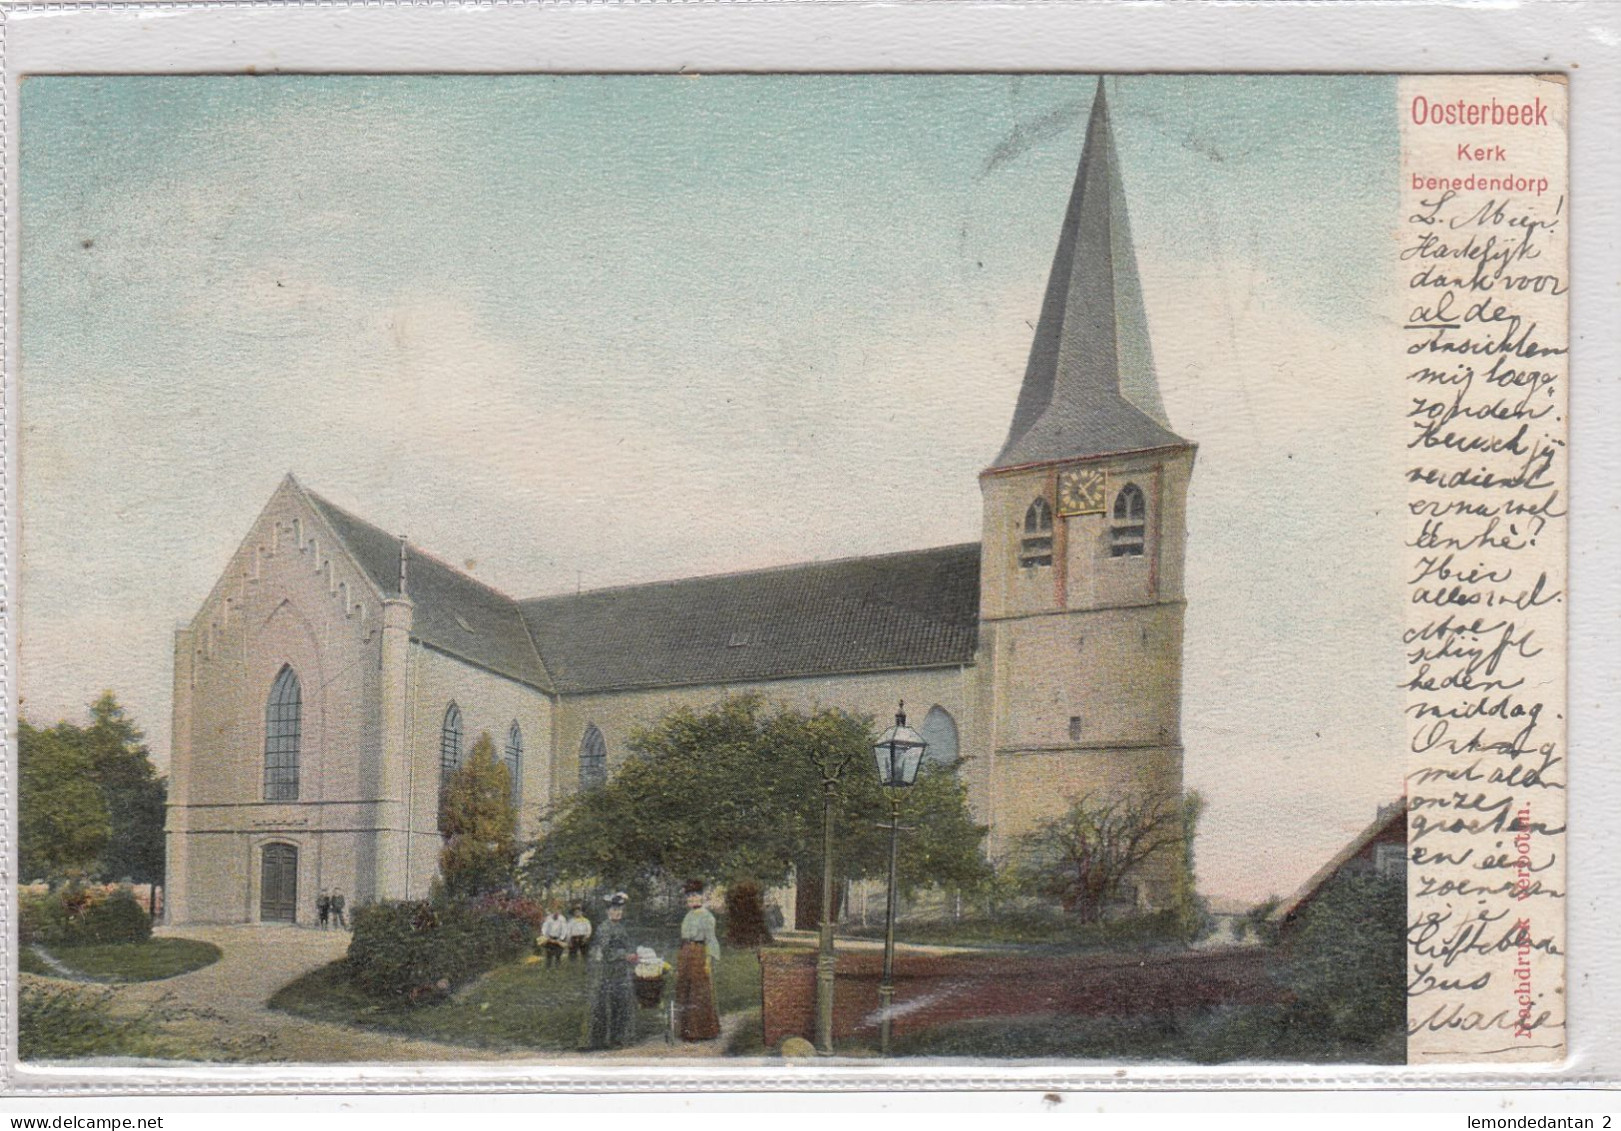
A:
x,y
1084,537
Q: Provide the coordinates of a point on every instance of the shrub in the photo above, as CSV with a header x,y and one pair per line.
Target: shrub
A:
x,y
419,950
80,916
518,907
42,918
119,918
1346,962
745,916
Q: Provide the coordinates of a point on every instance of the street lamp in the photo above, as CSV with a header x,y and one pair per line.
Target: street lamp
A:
x,y
899,751
831,767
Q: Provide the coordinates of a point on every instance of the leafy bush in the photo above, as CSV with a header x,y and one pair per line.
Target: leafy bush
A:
x,y
117,919
528,911
1347,960
745,916
80,916
42,918
419,950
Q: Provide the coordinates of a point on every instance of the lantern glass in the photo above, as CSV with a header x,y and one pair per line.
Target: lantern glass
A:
x,y
899,752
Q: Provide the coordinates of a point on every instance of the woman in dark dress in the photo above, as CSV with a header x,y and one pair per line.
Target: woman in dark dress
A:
x,y
613,994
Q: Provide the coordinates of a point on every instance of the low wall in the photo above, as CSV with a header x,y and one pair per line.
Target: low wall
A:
x,y
936,989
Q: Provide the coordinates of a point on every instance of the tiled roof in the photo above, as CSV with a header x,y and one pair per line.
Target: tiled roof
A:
x,y
453,612
1389,816
914,609
1089,386
906,610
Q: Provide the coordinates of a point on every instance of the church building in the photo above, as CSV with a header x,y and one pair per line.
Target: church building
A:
x,y
337,673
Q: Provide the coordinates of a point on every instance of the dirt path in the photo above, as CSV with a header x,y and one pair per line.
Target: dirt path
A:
x,y
221,1008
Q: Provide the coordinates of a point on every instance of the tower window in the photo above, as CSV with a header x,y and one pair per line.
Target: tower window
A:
x,y
283,726
1036,547
1075,728
1130,521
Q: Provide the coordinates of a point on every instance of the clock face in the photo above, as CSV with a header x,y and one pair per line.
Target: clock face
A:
x,y
1080,491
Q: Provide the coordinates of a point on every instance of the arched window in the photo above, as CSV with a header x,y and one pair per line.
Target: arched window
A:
x,y
1036,547
1130,520
939,730
514,761
450,742
593,758
283,728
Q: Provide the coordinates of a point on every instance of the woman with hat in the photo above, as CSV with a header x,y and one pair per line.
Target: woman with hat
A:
x,y
613,994
694,989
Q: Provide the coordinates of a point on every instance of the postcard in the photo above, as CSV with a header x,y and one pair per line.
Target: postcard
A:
x,y
589,572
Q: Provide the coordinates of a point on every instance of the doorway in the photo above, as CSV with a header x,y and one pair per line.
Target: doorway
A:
x,y
278,884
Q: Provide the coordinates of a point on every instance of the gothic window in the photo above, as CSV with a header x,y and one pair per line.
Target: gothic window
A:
x,y
593,758
1130,520
450,742
514,761
1036,547
283,727
939,730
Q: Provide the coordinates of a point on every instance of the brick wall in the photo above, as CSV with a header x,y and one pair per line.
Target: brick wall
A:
x,y
933,989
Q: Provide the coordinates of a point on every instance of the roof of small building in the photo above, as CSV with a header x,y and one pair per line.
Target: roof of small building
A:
x,y
1384,823
918,608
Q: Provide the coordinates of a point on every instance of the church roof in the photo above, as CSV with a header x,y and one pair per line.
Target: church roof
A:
x,y
914,609
453,612
1089,386
908,610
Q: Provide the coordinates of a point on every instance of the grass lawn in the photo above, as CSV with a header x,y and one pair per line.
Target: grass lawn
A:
x,y
522,1005
29,962
1209,1036
133,962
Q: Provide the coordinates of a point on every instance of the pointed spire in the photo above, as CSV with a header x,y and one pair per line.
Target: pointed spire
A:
x,y
1089,386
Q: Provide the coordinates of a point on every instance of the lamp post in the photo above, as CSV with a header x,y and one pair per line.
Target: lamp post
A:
x,y
899,751
826,962
831,767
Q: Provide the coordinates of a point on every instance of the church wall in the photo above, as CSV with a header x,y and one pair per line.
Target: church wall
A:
x,y
1107,677
618,714
290,597
489,703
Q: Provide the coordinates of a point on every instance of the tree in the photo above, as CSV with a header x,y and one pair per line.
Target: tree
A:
x,y
1085,857
479,825
62,822
732,793
135,795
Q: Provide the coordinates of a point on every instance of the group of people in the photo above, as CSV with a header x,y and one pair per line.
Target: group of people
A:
x,y
564,934
329,908
613,962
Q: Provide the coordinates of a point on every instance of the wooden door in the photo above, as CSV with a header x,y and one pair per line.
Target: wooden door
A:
x,y
278,884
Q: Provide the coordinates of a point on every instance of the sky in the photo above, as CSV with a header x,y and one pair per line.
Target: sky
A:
x,y
578,331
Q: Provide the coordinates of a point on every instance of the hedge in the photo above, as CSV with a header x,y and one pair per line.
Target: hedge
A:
x,y
420,950
78,916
